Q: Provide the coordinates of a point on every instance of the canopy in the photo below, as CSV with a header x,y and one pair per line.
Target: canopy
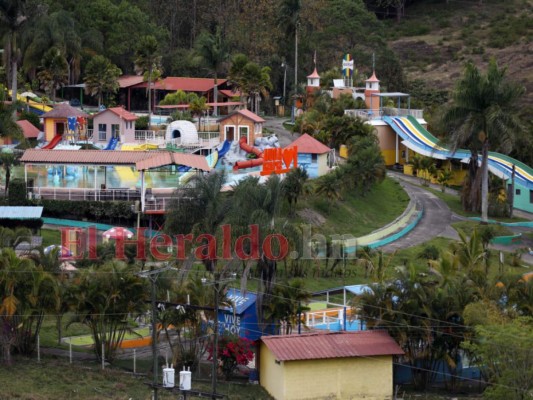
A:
x,y
118,233
62,250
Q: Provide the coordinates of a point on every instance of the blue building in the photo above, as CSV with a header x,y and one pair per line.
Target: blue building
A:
x,y
312,155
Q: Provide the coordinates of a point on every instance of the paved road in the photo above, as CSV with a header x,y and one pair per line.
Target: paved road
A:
x,y
435,221
275,125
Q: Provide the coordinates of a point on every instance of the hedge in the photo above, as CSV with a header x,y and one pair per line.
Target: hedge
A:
x,y
33,224
111,211
17,193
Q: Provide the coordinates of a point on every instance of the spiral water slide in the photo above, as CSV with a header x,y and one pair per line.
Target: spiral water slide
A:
x,y
417,138
249,149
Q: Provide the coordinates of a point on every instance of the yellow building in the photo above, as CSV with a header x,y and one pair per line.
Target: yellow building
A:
x,y
336,365
56,121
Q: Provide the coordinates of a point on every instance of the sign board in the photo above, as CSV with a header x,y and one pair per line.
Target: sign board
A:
x,y
347,66
279,161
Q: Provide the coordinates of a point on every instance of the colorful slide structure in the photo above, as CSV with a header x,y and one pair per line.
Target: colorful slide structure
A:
x,y
249,149
212,160
126,174
35,107
224,149
418,139
112,144
53,143
138,147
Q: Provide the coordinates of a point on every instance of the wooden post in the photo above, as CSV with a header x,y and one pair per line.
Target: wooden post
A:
x,y
38,349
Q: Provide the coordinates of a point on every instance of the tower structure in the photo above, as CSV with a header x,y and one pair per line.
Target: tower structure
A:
x,y
372,87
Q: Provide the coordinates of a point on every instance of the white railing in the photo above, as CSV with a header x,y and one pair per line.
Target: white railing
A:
x,y
205,139
149,136
389,111
156,204
324,317
80,194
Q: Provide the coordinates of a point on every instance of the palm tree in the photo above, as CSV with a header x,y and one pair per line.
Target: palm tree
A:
x,y
198,106
148,62
289,21
101,76
293,186
287,303
54,71
13,15
484,114
8,127
212,51
328,186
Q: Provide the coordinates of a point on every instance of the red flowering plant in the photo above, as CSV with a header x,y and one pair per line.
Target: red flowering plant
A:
x,y
232,352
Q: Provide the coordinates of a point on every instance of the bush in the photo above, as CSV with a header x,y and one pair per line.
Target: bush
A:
x,y
32,118
142,123
17,193
429,252
110,211
232,352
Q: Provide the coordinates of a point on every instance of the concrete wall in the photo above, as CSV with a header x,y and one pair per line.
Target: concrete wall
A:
x,y
314,168
345,378
126,129
271,374
387,144
50,127
523,200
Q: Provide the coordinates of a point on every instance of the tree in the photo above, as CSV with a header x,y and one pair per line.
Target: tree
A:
x,y
13,15
365,166
101,76
212,51
505,354
8,127
288,302
7,160
484,114
54,72
104,299
328,186
198,106
148,62
293,186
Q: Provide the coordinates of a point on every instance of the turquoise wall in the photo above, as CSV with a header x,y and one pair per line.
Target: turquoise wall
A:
x,y
305,161
522,201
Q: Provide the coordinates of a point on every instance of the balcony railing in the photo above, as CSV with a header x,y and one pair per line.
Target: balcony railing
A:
x,y
80,194
205,139
150,136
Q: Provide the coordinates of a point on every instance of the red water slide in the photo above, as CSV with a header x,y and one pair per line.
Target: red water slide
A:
x,y
53,143
249,149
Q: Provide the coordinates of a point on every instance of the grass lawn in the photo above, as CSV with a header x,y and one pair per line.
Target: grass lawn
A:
x,y
357,215
57,379
48,334
469,226
50,237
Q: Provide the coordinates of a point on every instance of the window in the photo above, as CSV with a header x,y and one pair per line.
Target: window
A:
x,y
314,158
243,132
102,134
517,192
531,196
115,130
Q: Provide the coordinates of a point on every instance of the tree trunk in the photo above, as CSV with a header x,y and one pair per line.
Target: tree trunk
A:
x,y
14,68
149,97
8,178
59,329
215,95
485,181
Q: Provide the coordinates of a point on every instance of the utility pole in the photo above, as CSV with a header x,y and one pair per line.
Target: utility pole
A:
x,y
293,114
153,274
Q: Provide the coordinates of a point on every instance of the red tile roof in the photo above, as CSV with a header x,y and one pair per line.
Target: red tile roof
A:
x,y
121,112
245,113
313,346
173,83
309,145
28,129
64,111
230,93
167,158
126,81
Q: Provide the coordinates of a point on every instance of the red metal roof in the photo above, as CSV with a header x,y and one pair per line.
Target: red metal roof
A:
x,y
166,158
313,346
126,81
64,111
230,93
92,157
309,145
173,83
121,112
28,129
245,113
314,75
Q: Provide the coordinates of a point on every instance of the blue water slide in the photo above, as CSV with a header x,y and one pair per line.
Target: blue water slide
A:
x,y
112,144
224,149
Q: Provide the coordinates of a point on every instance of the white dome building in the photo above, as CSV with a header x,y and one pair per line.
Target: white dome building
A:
x,y
181,132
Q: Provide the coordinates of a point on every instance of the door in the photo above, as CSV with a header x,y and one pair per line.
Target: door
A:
x,y
229,133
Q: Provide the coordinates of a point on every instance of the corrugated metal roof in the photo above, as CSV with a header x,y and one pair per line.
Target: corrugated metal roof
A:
x,y
126,81
309,145
314,346
21,212
65,111
174,83
29,131
166,158
90,157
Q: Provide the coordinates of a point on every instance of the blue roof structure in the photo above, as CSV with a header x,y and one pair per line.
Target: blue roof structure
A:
x,y
240,302
21,212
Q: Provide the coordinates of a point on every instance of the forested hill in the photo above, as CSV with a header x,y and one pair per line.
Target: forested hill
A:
x,y
419,45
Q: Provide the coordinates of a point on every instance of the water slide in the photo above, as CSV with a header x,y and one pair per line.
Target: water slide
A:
x,y
36,107
112,143
126,174
212,160
249,149
53,143
224,149
418,139
138,147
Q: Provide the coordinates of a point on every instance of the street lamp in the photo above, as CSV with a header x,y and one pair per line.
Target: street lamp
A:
x,y
284,65
216,285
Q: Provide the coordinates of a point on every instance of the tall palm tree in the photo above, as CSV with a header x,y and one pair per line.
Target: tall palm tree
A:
x,y
148,62
329,186
8,127
484,114
101,76
54,71
293,186
257,83
212,51
13,15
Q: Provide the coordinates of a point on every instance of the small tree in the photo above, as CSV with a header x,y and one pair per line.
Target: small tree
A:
x,y
443,178
232,352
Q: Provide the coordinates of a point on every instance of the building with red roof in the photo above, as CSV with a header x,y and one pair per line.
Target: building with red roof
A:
x,y
28,129
312,155
114,122
338,365
241,123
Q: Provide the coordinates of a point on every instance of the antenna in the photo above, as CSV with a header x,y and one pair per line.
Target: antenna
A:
x,y
373,62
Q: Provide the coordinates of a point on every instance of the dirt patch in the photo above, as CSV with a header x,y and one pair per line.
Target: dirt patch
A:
x,y
312,216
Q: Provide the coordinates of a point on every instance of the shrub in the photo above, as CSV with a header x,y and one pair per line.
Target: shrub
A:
x,y
31,118
232,352
17,193
142,123
430,252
